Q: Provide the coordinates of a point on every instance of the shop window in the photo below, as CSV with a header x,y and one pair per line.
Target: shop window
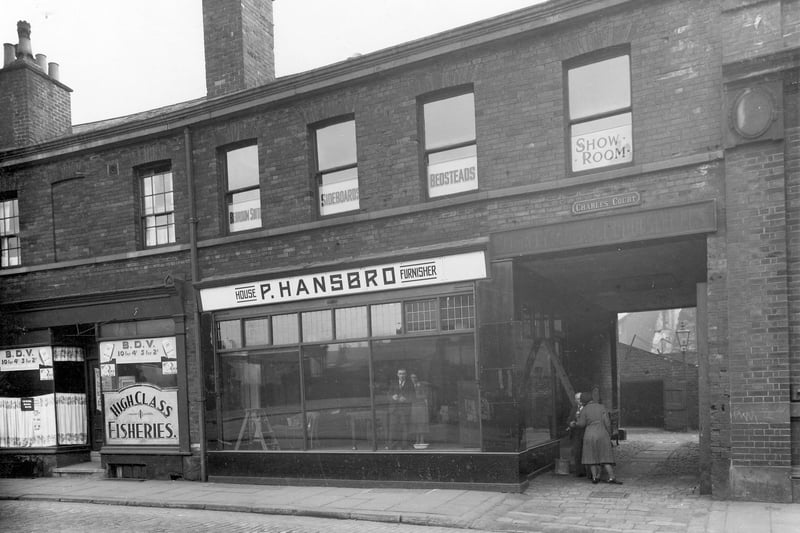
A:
x,y
346,400
317,326
450,145
351,322
444,411
457,312
10,255
337,393
139,380
386,319
243,192
229,334
260,401
158,207
285,329
599,110
256,332
42,397
421,315
337,168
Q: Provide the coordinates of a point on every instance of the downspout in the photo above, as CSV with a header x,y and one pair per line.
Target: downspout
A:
x,y
195,266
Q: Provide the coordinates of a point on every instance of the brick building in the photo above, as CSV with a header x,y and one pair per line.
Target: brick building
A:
x,y
657,390
230,288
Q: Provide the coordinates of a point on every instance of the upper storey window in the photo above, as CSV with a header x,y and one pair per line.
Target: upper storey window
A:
x,y
243,196
158,207
450,148
337,168
9,231
600,117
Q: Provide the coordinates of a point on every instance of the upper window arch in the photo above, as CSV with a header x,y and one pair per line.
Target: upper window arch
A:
x,y
599,112
451,151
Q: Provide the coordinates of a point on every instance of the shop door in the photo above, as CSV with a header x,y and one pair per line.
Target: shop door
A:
x,y
96,420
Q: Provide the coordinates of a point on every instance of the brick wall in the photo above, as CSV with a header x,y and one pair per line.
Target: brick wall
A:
x,y
239,45
33,107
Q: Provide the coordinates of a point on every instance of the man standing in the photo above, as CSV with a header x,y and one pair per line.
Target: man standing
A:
x,y
401,395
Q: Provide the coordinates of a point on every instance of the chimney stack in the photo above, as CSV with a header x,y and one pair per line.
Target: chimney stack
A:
x,y
239,45
34,105
24,49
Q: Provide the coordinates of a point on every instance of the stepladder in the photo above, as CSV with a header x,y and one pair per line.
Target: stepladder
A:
x,y
257,429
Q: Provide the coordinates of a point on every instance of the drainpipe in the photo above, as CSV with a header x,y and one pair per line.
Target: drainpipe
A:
x,y
195,266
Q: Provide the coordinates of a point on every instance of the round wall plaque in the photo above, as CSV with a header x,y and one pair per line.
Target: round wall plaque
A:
x,y
753,112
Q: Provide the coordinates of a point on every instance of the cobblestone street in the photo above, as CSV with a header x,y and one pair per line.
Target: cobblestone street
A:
x,y
64,517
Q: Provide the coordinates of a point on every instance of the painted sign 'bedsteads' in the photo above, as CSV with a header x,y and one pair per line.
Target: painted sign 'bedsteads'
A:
x,y
452,268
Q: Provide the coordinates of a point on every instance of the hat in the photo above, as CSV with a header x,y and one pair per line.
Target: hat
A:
x,y
586,397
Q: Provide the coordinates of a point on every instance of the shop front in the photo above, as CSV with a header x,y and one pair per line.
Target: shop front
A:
x,y
101,380
369,374
43,408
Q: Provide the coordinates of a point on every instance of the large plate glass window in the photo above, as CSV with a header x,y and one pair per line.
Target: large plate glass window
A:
x,y
9,231
451,160
158,207
337,168
243,197
327,378
599,111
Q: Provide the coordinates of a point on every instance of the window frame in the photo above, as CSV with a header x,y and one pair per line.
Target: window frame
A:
x,y
148,171
14,235
228,194
583,61
425,152
320,173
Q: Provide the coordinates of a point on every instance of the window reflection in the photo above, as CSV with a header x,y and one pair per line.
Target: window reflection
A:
x,y
285,329
387,319
317,326
336,379
260,392
351,322
348,387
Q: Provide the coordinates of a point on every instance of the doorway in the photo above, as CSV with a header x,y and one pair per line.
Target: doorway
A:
x,y
593,286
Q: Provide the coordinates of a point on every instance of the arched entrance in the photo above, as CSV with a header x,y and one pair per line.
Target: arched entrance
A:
x,y
572,280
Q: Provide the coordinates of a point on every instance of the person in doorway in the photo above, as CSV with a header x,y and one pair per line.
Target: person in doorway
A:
x,y
576,437
596,394
419,411
597,451
401,396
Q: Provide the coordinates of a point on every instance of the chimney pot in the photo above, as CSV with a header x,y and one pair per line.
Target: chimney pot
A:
x,y
24,50
52,70
9,54
41,60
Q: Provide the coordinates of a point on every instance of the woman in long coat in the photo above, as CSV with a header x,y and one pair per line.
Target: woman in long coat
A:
x,y
597,449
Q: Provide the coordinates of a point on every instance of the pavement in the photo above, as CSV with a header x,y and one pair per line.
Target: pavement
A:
x,y
659,494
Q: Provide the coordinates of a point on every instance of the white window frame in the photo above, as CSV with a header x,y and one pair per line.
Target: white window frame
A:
x,y
451,164
599,127
158,217
242,201
336,156
10,244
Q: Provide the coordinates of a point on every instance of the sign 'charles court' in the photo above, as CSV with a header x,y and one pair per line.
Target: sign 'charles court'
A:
x,y
447,269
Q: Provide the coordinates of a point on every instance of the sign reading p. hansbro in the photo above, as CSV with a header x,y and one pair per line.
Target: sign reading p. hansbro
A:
x,y
402,275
